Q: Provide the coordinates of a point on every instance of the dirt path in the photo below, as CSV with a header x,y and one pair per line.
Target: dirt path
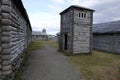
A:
x,y
48,64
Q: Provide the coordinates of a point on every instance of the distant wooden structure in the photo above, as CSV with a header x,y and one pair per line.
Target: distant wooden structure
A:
x,y
76,30
40,35
15,36
106,36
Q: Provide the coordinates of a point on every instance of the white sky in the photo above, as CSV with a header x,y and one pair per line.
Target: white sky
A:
x,y
45,13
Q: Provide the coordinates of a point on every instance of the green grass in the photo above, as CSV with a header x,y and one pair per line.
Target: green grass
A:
x,y
36,45
98,66
53,44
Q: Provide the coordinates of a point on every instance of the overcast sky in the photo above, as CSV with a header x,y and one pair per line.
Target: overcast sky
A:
x,y
45,13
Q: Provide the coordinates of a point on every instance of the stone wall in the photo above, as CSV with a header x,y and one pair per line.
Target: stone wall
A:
x,y
15,36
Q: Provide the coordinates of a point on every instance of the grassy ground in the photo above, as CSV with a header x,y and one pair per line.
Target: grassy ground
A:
x,y
39,44
36,45
98,66
52,44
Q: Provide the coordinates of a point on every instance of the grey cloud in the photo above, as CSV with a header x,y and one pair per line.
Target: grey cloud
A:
x,y
107,11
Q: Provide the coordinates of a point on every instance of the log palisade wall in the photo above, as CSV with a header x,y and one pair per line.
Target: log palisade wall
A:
x,y
15,36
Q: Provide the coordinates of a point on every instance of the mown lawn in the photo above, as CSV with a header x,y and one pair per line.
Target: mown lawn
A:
x,y
98,66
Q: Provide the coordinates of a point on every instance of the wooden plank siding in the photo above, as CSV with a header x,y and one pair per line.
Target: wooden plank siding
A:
x,y
82,32
76,30
15,36
66,29
102,42
106,36
107,42
117,43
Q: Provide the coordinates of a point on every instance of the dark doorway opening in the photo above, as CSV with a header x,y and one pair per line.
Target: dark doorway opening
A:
x,y
66,40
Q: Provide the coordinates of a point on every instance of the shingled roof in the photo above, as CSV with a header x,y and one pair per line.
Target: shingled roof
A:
x,y
22,10
108,27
